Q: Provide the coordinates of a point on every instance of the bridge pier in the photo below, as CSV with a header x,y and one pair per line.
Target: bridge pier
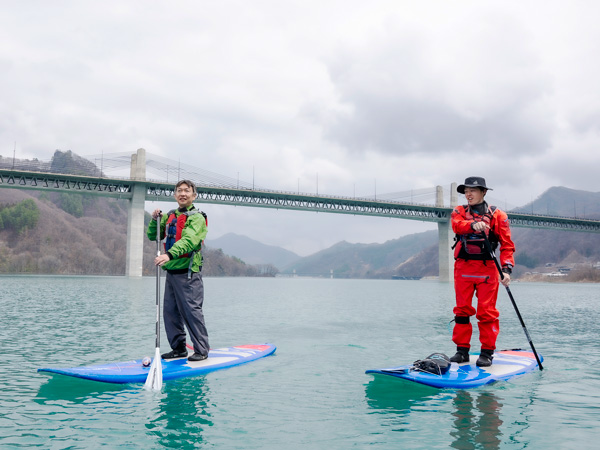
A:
x,y
445,236
135,218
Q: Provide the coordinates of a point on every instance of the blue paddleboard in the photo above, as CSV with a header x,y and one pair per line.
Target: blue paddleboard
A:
x,y
506,365
135,372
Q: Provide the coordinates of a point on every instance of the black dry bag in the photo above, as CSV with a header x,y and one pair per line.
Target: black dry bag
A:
x,y
436,364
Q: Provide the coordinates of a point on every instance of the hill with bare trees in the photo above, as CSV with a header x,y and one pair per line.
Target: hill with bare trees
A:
x,y
63,233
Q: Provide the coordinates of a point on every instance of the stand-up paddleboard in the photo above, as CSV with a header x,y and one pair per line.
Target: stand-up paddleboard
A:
x,y
506,365
136,372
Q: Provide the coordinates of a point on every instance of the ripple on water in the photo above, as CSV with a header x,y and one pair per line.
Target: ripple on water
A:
x,y
313,393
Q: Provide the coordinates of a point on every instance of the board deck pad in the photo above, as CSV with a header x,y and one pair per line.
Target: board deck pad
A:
x,y
506,365
135,372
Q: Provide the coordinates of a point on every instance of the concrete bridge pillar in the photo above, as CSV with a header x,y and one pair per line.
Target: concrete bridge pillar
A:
x,y
135,218
445,236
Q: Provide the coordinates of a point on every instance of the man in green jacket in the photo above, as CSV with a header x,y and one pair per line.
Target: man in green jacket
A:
x,y
184,229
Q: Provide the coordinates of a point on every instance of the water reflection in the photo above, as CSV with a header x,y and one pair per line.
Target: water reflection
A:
x,y
388,395
476,415
175,417
183,414
74,390
476,420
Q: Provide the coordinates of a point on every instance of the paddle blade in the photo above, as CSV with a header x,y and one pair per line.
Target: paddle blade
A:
x,y
154,380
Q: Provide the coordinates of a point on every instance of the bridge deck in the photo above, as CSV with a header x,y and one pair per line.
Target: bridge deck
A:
x,y
161,191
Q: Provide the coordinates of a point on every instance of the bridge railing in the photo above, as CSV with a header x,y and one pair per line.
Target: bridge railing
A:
x,y
122,187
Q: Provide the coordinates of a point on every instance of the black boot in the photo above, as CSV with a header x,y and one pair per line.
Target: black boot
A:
x,y
485,358
462,355
197,357
179,352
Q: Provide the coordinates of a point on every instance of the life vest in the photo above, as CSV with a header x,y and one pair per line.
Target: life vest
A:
x,y
472,245
174,228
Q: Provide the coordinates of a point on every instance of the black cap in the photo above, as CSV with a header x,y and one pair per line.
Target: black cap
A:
x,y
472,182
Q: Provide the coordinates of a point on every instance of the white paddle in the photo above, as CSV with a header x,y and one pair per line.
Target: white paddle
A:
x,y
154,380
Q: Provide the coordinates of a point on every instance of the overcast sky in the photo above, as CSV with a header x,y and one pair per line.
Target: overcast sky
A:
x,y
363,96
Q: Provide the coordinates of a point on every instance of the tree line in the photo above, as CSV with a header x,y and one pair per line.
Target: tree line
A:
x,y
64,233
20,217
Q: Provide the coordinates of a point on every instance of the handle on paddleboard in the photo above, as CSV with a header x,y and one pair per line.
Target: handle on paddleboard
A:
x,y
512,299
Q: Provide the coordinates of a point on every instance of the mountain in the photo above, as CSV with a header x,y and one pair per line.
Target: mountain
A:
x,y
61,162
373,260
251,251
562,201
543,250
54,232
68,234
63,233
538,249
417,255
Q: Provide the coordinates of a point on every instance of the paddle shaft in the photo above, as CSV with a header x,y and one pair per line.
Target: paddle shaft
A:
x,y
154,378
512,299
158,269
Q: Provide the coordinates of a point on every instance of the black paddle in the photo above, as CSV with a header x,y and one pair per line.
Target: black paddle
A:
x,y
489,249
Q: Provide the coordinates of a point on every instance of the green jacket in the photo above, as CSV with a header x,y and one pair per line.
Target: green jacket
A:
x,y
194,232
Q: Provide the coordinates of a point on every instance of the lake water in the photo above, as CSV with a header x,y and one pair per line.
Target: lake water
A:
x,y
313,393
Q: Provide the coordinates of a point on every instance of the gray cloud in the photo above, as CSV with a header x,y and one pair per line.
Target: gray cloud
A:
x,y
395,102
403,126
347,96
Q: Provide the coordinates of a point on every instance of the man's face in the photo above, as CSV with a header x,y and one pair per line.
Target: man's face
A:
x,y
474,195
185,195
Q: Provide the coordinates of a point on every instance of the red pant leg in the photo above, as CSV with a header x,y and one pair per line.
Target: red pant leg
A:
x,y
464,287
487,314
476,277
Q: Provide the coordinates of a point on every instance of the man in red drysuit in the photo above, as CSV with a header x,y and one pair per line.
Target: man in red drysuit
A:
x,y
476,272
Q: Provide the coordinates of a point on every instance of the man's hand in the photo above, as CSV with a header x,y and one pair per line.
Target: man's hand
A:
x,y
161,259
479,226
505,280
156,213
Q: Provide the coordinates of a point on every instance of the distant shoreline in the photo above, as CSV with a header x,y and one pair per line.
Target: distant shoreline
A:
x,y
537,278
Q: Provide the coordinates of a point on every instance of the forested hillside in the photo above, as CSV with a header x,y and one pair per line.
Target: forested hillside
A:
x,y
73,234
539,252
562,201
63,233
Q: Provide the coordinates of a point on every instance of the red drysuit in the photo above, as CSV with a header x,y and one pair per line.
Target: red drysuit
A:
x,y
475,272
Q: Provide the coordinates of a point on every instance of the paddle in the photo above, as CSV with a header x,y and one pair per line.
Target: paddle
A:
x,y
154,380
489,249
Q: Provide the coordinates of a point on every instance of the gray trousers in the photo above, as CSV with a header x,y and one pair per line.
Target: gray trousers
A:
x,y
183,306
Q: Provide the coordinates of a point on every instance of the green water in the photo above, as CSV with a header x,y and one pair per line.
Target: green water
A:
x,y
313,393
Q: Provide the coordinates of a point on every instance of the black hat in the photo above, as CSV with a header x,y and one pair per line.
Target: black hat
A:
x,y
472,182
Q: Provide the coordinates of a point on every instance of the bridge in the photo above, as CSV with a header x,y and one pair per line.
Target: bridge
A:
x,y
217,189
